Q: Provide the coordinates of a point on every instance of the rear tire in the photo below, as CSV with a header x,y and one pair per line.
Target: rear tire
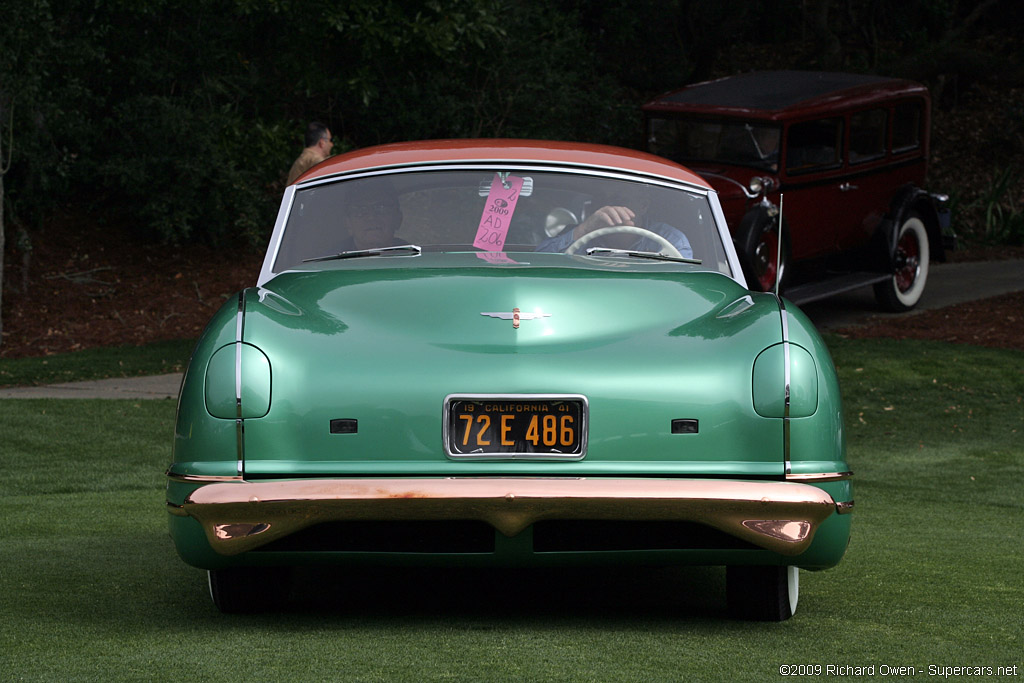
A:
x,y
245,590
762,593
910,261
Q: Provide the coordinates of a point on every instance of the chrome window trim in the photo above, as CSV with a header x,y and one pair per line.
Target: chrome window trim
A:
x,y
267,272
726,237
488,165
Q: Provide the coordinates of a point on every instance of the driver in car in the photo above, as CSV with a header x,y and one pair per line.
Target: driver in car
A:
x,y
372,217
623,210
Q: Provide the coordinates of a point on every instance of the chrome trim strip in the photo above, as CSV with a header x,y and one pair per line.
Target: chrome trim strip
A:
x,y
202,478
266,271
239,426
726,238
784,316
844,507
176,510
745,189
584,428
239,318
515,313
819,477
785,359
240,441
778,516
485,164
813,477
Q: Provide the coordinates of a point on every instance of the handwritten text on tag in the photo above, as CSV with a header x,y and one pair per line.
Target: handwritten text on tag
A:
x,y
501,205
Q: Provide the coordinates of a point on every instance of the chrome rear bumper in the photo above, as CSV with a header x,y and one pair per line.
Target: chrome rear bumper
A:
x,y
238,516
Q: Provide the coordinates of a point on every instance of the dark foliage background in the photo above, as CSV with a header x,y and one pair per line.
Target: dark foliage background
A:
x,y
180,118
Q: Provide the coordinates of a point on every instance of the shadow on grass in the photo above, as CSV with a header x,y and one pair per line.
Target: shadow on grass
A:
x,y
594,594
138,582
124,584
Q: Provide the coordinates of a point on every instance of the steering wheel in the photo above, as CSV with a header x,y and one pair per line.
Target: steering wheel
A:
x,y
667,248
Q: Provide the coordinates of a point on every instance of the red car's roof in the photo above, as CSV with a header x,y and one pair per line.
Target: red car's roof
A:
x,y
779,94
441,151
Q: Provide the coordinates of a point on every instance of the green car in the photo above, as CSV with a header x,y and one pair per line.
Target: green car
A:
x,y
507,353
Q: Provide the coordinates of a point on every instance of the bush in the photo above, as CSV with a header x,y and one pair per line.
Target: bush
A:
x,y
185,114
1004,211
186,171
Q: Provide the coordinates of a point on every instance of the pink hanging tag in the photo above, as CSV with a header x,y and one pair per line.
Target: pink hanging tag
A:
x,y
501,204
498,257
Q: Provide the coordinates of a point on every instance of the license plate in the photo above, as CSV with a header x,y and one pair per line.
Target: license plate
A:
x,y
541,426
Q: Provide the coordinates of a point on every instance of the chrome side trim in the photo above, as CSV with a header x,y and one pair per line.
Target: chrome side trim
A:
x,y
239,424
239,323
202,478
176,510
240,440
819,477
778,516
784,316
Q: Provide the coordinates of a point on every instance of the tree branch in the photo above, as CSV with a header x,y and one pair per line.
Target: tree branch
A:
x,y
4,168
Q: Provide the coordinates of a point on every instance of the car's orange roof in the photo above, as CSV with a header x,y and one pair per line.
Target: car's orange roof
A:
x,y
440,151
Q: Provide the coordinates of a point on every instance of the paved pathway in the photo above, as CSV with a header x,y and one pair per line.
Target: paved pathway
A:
x,y
159,386
948,284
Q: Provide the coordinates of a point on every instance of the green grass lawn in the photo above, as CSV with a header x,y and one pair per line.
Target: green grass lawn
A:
x,y
90,587
125,361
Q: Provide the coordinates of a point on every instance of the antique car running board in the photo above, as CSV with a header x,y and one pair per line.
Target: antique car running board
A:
x,y
815,291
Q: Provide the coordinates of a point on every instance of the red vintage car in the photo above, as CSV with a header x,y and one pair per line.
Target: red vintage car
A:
x,y
842,158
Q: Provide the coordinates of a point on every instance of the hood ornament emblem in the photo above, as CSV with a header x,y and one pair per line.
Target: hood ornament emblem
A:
x,y
516,315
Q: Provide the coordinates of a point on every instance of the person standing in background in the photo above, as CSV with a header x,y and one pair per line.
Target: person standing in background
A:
x,y
318,147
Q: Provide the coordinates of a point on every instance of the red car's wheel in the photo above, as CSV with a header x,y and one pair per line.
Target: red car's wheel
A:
x,y
759,247
910,262
766,263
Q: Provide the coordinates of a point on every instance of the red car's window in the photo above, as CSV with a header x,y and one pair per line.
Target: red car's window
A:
x,y
814,146
688,140
906,127
868,135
